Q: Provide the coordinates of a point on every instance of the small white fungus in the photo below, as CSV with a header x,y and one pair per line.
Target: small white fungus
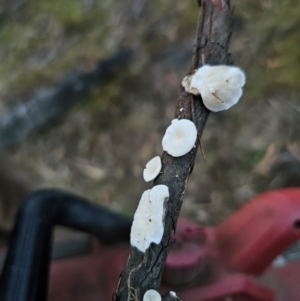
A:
x,y
148,221
173,294
152,169
180,137
219,86
152,295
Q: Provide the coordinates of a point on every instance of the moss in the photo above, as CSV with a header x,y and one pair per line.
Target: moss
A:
x,y
7,31
30,80
252,158
69,12
127,212
21,42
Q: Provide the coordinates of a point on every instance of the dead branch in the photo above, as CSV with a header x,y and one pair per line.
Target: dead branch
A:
x,y
144,270
51,104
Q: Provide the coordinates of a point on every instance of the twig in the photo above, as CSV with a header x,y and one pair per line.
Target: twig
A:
x,y
194,120
211,45
51,104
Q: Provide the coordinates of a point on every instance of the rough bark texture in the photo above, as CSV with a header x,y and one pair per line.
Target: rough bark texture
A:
x,y
144,271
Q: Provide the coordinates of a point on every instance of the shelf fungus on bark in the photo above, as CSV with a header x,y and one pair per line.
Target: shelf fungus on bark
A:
x,y
219,86
148,222
180,137
152,169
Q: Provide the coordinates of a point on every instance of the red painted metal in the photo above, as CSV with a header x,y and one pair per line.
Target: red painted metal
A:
x,y
88,278
236,287
188,257
252,238
213,279
207,264
284,281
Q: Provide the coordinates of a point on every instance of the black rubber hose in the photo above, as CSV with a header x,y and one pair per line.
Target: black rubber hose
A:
x,y
26,269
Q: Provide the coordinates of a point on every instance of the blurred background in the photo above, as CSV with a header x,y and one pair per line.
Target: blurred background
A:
x,y
87,89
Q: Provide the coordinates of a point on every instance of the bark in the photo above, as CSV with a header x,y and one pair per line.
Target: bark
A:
x,y
52,104
144,270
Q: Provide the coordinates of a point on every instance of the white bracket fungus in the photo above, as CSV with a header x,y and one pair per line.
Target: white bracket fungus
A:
x,y
152,169
180,137
148,221
219,86
152,295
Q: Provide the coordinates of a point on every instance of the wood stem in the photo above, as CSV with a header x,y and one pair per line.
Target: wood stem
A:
x,y
144,270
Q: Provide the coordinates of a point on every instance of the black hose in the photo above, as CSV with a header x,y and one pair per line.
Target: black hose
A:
x,y
26,269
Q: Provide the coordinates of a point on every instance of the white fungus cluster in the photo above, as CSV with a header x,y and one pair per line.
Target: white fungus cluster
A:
x,y
219,86
148,221
179,139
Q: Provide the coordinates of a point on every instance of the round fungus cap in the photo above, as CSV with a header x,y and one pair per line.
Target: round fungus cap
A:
x,y
220,86
180,137
152,169
148,221
152,295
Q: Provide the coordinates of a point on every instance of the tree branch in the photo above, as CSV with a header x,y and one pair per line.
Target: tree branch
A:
x,y
51,104
144,270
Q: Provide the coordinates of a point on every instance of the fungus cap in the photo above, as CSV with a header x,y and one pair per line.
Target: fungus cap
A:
x,y
152,295
180,137
148,221
219,86
152,169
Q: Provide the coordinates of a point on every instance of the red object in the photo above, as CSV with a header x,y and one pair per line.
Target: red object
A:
x,y
188,257
213,279
252,238
89,278
238,288
207,264
284,281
